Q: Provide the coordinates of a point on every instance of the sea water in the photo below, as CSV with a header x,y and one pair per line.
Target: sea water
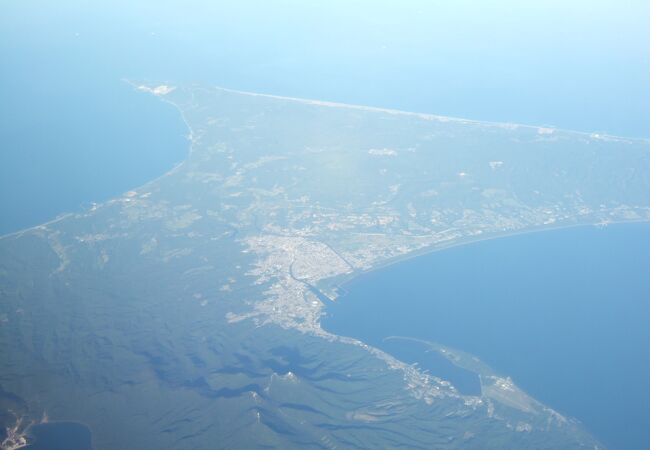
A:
x,y
565,313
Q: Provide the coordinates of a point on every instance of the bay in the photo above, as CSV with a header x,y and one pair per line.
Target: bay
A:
x,y
565,313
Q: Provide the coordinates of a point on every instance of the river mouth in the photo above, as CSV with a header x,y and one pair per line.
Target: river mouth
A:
x,y
564,313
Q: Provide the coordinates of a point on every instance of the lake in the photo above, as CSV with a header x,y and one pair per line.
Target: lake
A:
x,y
565,313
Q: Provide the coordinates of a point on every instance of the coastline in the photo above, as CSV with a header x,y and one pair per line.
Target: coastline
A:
x,y
495,375
438,117
424,116
68,214
339,286
340,282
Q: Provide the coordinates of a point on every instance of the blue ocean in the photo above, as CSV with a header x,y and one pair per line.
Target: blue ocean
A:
x,y
565,313
71,132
